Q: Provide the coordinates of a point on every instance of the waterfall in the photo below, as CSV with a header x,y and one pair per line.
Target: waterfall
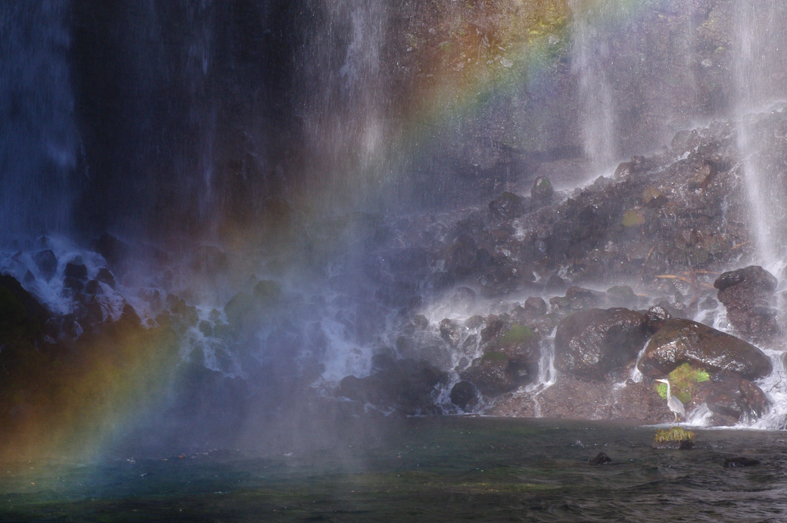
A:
x,y
759,85
590,53
39,143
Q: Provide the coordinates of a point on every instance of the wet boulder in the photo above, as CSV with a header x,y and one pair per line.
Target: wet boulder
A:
x,y
508,206
655,317
576,299
521,345
535,307
746,293
405,385
591,344
732,399
451,332
46,261
461,256
114,250
542,190
493,374
684,341
464,395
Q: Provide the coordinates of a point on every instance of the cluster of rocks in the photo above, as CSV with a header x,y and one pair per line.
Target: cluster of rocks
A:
x,y
669,224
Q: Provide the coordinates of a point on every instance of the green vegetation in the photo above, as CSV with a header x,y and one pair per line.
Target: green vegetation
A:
x,y
495,356
673,434
516,335
683,381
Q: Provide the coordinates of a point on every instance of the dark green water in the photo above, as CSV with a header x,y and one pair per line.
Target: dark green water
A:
x,y
449,469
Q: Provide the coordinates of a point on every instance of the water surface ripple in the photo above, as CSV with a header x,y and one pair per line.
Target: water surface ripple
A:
x,y
444,469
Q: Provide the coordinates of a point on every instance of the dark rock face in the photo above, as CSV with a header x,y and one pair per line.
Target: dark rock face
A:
x,y
508,206
521,345
745,293
542,190
741,461
405,385
535,307
46,263
592,343
464,395
732,399
656,316
601,459
493,374
685,341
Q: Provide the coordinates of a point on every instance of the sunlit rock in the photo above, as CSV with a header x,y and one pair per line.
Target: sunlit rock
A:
x,y
653,198
681,341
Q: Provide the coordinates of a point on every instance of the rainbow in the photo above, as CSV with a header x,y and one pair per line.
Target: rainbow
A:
x,y
467,52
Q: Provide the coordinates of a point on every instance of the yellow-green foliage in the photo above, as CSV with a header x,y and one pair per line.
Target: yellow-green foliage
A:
x,y
633,217
673,434
683,381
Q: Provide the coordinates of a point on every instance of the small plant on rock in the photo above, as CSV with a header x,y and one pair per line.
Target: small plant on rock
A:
x,y
684,381
673,434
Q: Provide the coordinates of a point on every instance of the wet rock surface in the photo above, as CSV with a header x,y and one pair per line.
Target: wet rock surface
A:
x,y
684,341
592,343
746,293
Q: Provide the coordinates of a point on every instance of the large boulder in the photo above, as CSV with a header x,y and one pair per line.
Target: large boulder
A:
x,y
508,206
746,293
405,385
521,345
494,374
592,343
732,399
685,341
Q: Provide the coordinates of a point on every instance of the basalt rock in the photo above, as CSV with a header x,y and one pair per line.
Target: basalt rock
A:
x,y
521,345
494,374
732,399
405,385
542,190
46,263
508,206
746,293
461,257
464,395
685,341
535,307
591,344
576,299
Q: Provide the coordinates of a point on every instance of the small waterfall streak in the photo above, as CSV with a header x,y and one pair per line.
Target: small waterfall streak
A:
x,y
756,56
589,53
775,388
